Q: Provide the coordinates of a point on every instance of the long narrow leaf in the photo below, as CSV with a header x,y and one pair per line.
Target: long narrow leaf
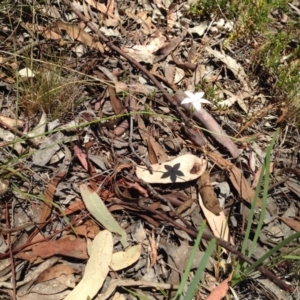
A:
x,y
273,250
265,167
193,286
266,170
190,261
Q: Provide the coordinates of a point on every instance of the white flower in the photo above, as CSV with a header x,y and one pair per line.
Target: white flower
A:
x,y
195,99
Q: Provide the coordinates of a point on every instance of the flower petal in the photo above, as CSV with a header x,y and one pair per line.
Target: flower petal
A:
x,y
197,105
199,95
189,94
187,100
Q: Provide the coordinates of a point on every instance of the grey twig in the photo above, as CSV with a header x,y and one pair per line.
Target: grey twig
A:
x,y
130,110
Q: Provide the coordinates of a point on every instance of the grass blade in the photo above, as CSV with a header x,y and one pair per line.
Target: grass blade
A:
x,y
193,286
190,261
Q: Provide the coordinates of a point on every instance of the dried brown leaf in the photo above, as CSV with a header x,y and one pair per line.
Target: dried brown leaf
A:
x,y
294,224
153,249
49,194
208,195
151,153
78,34
54,272
220,291
67,246
236,177
115,102
170,47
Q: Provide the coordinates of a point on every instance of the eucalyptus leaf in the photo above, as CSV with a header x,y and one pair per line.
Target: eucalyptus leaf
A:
x,y
99,211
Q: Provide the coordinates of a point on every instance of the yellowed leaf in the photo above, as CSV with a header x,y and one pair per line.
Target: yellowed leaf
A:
x,y
96,268
218,224
123,259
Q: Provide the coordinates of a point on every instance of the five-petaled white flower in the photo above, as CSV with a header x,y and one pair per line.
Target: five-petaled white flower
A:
x,y
195,99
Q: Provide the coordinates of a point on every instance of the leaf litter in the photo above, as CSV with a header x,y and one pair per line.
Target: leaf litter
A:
x,y
102,217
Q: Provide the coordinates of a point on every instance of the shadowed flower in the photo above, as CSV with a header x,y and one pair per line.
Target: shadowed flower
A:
x,y
195,99
173,172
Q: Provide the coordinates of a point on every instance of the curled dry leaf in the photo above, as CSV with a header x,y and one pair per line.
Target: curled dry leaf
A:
x,y
153,249
181,169
208,195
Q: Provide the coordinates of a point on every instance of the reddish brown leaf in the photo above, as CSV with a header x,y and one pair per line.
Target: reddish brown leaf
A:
x,y
136,186
151,153
220,291
76,205
49,193
81,156
115,102
55,272
68,246
294,224
153,249
88,229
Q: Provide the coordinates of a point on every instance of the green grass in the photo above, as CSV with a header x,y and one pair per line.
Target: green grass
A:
x,y
52,90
